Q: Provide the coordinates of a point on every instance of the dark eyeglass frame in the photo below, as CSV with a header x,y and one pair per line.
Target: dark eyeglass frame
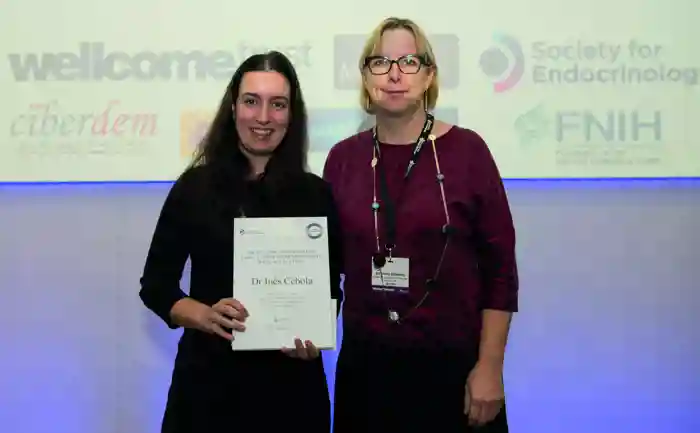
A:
x,y
422,61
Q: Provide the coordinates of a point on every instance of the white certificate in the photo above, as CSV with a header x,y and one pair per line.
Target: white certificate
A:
x,y
281,274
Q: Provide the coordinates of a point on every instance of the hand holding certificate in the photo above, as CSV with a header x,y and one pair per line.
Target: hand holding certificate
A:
x,y
282,276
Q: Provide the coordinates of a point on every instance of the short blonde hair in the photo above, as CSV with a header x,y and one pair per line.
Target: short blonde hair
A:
x,y
424,48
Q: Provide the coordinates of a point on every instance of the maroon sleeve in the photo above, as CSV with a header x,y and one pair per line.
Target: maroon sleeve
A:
x,y
331,168
495,231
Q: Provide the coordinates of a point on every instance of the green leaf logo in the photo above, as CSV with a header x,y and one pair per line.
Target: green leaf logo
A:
x,y
532,125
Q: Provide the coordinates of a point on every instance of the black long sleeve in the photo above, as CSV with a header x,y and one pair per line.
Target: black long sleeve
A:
x,y
167,255
193,224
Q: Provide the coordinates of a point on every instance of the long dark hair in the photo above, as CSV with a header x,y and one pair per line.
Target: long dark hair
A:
x,y
220,147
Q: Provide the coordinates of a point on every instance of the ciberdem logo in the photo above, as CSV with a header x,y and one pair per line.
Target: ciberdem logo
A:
x,y
53,128
93,61
505,63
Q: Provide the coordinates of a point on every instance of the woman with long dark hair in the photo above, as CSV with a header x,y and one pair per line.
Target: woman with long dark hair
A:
x,y
252,163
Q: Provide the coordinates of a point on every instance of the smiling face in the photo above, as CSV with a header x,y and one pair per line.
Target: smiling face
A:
x,y
403,86
262,112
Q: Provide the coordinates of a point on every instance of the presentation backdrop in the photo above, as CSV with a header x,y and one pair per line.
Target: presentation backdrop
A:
x,y
122,91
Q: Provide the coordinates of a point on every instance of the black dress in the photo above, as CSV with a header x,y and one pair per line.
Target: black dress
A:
x,y
384,388
214,389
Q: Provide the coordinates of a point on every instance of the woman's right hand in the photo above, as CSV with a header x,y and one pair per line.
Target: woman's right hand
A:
x,y
227,314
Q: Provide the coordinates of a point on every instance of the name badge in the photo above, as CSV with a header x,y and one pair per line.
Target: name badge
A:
x,y
392,277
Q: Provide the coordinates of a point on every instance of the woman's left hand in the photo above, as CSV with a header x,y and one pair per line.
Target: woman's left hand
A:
x,y
301,351
484,396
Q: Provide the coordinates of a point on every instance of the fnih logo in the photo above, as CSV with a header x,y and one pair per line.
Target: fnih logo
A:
x,y
505,63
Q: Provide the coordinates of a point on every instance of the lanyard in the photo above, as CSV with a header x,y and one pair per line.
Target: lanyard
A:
x,y
388,204
380,257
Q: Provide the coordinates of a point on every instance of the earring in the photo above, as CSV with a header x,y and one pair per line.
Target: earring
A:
x,y
425,101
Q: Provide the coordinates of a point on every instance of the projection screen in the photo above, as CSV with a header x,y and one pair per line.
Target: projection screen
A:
x,y
123,91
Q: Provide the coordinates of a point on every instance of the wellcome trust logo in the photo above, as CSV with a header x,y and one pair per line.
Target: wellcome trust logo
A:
x,y
96,61
348,48
581,62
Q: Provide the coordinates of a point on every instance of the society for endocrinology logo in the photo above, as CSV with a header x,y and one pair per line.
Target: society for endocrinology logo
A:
x,y
348,48
584,61
503,63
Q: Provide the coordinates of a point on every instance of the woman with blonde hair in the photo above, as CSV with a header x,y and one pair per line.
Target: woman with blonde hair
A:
x,y
430,269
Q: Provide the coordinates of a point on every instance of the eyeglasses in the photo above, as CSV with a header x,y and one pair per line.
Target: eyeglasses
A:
x,y
409,64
